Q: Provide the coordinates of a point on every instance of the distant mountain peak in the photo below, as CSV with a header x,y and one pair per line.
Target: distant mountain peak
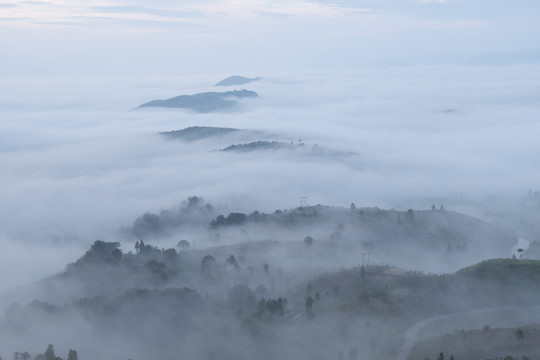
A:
x,y
236,80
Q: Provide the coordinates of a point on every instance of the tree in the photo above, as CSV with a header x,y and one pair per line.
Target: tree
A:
x,y
317,296
72,355
362,272
193,201
441,356
266,268
206,263
170,254
220,220
183,245
148,223
102,252
308,241
49,353
231,261
235,219
309,304
353,207
519,334
157,269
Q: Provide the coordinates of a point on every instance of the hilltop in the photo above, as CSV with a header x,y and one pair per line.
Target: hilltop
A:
x,y
204,102
195,133
236,80
434,238
486,343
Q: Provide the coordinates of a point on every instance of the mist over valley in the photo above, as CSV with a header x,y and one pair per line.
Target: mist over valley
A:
x,y
273,180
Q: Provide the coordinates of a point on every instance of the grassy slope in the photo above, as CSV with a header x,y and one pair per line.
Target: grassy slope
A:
x,y
481,344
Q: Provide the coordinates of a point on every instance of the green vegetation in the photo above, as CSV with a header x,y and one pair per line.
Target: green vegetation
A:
x,y
195,133
260,293
48,354
501,343
509,272
256,145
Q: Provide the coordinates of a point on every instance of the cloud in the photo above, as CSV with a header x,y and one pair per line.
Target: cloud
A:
x,y
168,37
76,161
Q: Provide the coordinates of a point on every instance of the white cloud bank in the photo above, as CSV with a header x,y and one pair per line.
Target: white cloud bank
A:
x,y
77,162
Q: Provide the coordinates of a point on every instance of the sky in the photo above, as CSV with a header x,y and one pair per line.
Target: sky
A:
x,y
434,99
186,37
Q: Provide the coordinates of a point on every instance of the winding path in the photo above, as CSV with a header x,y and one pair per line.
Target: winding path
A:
x,y
411,336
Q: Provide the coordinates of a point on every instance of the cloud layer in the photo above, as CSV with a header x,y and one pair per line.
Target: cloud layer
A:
x,y
78,162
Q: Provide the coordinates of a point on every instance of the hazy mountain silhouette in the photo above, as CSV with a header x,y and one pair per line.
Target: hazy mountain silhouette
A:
x,y
203,102
236,80
195,133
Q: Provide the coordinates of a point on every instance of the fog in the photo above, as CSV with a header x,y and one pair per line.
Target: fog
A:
x,y
81,160
389,158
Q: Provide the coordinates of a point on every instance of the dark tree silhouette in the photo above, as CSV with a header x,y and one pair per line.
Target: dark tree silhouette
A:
x,y
49,353
183,245
309,304
308,241
72,355
206,263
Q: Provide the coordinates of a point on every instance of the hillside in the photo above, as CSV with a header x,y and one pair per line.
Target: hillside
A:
x,y
196,133
204,102
236,80
433,240
322,275
256,145
498,343
505,271
245,290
